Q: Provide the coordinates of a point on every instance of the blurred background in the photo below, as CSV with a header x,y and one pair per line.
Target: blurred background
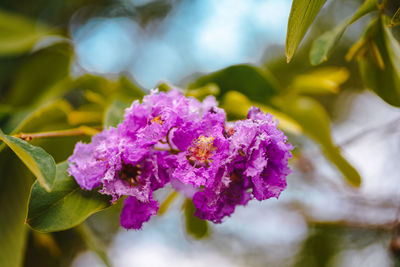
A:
x,y
93,53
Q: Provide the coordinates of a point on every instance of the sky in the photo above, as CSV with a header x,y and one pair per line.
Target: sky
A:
x,y
196,36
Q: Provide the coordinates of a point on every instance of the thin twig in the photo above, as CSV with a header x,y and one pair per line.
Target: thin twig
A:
x,y
83,130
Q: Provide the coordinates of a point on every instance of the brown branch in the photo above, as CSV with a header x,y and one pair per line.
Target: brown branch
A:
x,y
83,130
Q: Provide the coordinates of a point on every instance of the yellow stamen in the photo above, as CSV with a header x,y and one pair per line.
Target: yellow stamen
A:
x,y
157,120
201,149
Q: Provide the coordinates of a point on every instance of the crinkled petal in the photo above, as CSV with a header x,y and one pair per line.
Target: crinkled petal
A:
x,y
89,162
135,213
86,170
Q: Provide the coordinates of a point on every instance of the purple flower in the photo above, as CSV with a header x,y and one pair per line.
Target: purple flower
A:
x,y
203,148
119,167
135,178
271,144
220,200
90,162
135,213
150,121
171,138
257,167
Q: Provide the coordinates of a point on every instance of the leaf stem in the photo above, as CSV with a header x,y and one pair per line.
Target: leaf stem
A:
x,y
82,130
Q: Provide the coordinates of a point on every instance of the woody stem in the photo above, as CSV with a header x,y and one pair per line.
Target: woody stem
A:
x,y
82,130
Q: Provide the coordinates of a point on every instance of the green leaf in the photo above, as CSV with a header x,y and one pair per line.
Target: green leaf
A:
x,y
49,117
365,8
381,47
123,88
18,34
5,111
43,118
324,45
166,203
302,14
202,92
315,123
130,88
325,80
15,182
194,226
37,160
395,21
66,206
41,72
237,106
114,114
249,80
392,46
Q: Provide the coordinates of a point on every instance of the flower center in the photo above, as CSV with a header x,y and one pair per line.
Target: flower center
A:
x,y
130,174
157,120
201,149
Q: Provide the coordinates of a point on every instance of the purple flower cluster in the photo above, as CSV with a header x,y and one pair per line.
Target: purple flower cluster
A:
x,y
169,138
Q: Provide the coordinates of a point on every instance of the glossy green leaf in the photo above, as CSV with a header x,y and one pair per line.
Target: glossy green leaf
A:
x,y
324,45
315,122
15,182
384,80
65,207
395,21
250,80
19,34
114,114
302,15
194,226
37,160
